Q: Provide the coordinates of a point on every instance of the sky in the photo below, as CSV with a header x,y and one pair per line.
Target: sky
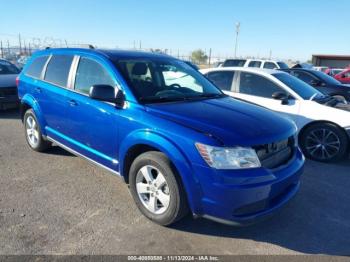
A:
x,y
290,29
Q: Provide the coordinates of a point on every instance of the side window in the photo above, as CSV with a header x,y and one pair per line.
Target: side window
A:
x,y
222,79
58,69
303,76
347,74
256,85
91,73
254,64
36,67
270,65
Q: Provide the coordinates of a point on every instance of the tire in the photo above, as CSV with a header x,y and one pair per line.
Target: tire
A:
x,y
33,132
324,142
169,199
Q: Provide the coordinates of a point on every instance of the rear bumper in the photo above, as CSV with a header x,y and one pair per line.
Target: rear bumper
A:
x,y
243,197
9,102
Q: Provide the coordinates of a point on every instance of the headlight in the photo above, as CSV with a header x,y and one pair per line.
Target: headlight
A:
x,y
229,158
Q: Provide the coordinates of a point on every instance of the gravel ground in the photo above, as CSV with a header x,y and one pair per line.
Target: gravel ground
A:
x,y
56,203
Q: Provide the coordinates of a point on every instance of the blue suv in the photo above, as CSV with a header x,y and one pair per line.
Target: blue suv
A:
x,y
176,139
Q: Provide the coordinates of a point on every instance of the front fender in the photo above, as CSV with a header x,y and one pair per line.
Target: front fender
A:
x,y
176,156
30,101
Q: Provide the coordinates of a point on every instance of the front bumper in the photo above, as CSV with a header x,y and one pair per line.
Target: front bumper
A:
x,y
241,197
348,131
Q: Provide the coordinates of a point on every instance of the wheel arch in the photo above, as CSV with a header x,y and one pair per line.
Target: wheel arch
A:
x,y
143,141
29,102
302,130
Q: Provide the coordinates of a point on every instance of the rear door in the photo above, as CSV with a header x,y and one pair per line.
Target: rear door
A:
x,y
259,89
222,79
53,91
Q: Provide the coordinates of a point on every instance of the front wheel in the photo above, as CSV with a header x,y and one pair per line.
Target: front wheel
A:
x,y
157,189
324,142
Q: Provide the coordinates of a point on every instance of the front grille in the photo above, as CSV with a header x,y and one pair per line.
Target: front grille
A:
x,y
275,154
8,91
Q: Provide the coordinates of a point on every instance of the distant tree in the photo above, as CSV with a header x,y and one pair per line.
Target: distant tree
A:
x,y
198,56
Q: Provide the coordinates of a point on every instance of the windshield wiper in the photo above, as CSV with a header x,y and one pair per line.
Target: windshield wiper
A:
x,y
209,95
161,99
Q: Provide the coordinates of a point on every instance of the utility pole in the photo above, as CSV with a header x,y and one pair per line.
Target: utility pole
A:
x,y
270,54
20,44
2,50
140,45
209,56
238,25
8,47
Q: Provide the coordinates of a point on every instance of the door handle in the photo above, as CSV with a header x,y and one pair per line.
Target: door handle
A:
x,y
73,103
37,89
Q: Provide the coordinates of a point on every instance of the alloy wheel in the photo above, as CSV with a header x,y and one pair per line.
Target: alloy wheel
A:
x,y
152,189
32,131
323,143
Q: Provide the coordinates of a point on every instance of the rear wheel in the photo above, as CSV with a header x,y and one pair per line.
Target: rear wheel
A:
x,y
33,132
157,189
324,142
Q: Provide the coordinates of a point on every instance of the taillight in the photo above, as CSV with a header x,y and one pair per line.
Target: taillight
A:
x,y
17,81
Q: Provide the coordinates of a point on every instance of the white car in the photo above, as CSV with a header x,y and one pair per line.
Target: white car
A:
x,y
323,122
256,63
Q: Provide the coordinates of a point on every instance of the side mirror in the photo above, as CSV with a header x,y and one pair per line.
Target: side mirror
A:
x,y
107,93
315,82
281,96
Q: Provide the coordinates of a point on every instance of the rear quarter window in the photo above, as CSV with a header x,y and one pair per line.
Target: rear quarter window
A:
x,y
36,67
58,69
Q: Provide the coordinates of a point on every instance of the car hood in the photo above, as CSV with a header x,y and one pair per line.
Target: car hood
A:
x,y
7,80
230,121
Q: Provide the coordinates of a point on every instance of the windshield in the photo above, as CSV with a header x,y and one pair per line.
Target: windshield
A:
x,y
234,62
326,78
165,80
283,65
301,88
6,68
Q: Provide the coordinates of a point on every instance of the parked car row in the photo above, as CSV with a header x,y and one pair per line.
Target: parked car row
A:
x,y
8,89
257,63
323,121
178,141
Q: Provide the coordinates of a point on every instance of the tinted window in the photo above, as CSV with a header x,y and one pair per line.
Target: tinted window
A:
x,y
234,62
306,77
256,85
6,68
254,64
282,65
325,78
270,65
58,69
301,88
91,73
36,67
222,79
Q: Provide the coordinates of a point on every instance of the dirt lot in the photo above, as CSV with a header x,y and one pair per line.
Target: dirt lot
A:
x,y
56,203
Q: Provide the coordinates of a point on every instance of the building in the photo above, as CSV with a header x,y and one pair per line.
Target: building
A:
x,y
334,61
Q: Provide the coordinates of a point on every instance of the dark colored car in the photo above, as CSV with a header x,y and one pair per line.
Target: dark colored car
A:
x,y
8,88
322,82
177,140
